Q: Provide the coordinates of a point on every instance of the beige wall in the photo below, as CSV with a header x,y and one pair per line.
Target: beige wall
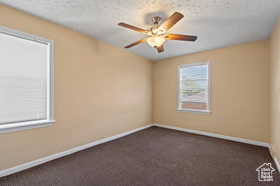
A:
x,y
275,90
100,91
240,83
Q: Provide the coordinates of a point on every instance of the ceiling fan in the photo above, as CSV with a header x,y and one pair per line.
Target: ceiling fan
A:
x,y
158,32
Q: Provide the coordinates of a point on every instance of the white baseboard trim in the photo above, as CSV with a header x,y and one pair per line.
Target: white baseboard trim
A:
x,y
37,162
230,138
275,160
276,163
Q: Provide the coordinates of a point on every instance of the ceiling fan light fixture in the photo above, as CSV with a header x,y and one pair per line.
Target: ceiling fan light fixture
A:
x,y
158,33
156,41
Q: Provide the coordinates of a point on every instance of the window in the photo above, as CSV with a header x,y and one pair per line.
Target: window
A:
x,y
193,88
26,93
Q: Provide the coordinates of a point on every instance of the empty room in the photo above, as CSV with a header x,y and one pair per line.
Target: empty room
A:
x,y
139,92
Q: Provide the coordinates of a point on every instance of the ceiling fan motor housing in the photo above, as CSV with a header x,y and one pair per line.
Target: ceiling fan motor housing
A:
x,y
156,20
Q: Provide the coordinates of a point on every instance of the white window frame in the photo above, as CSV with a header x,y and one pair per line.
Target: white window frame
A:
x,y
179,109
16,126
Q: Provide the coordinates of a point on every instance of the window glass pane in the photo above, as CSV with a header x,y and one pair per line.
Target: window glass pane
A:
x,y
195,72
194,87
23,80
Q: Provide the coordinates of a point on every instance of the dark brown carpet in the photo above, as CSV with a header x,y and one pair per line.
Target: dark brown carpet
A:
x,y
153,157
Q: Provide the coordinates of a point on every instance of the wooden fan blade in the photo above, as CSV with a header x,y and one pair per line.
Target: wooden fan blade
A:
x,y
135,43
180,37
132,27
160,49
170,21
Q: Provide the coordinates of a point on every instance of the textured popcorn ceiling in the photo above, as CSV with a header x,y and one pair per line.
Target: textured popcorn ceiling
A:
x,y
217,23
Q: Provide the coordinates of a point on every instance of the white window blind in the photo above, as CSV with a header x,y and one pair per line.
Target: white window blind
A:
x,y
193,86
25,80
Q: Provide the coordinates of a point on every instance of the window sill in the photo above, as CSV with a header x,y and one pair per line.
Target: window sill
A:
x,y
193,110
5,128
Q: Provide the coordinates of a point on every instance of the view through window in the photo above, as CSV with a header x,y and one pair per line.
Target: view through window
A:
x,y
194,87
